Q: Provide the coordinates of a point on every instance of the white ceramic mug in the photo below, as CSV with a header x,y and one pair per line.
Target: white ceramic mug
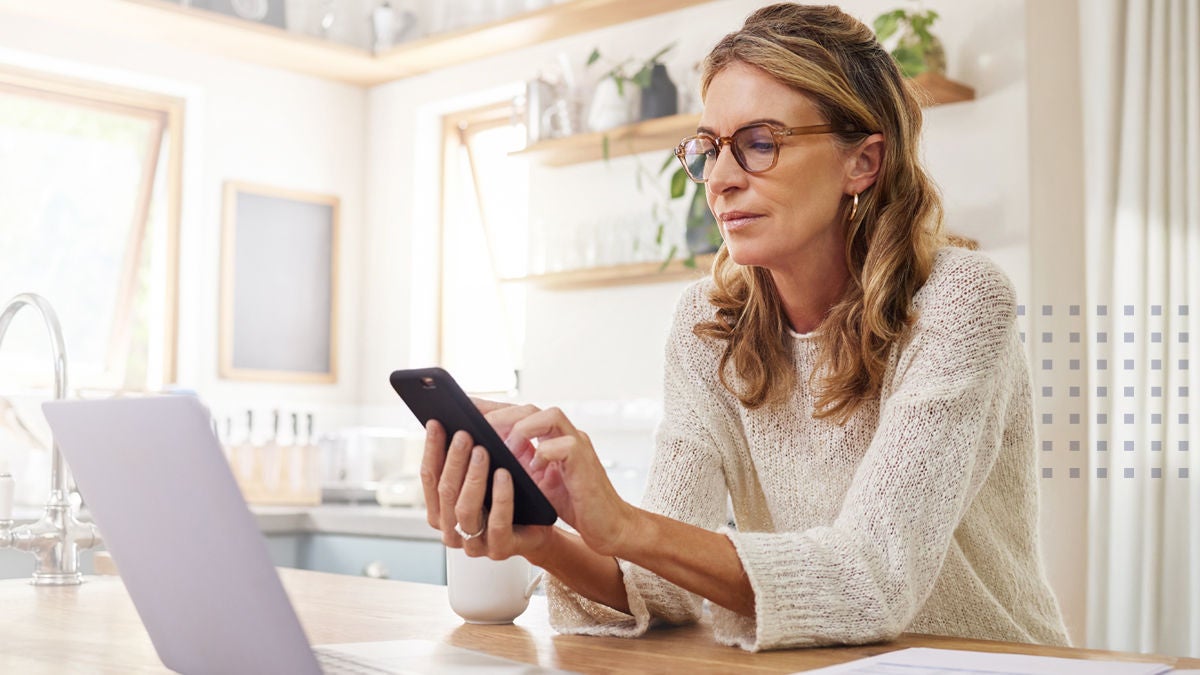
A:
x,y
483,590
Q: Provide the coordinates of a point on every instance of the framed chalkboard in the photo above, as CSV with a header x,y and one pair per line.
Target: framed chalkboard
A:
x,y
279,251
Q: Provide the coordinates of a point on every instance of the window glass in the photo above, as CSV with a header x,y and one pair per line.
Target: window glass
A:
x,y
83,223
484,247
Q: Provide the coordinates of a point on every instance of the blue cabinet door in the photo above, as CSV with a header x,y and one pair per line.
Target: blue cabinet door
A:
x,y
403,559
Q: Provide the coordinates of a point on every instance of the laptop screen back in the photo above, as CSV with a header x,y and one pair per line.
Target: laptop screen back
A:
x,y
152,473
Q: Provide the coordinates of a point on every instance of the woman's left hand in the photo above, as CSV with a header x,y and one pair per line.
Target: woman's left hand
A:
x,y
563,463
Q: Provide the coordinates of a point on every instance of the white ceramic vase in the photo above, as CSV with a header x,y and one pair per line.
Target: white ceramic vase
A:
x,y
610,108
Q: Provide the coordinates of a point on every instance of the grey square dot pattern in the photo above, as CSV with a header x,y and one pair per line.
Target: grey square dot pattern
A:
x,y
1155,418
1183,337
1101,364
1129,472
1128,418
1102,337
1102,418
1047,391
1183,472
1074,337
1183,446
1074,472
1155,364
1073,310
1074,365
1128,337
1183,310
1047,418
1128,391
1183,392
1183,364
1155,310
1102,472
1074,446
1156,472
1101,446
1183,418
1047,337
1047,310
1047,446
1101,310
1156,337
1128,446
1128,364
1128,310
1047,364
1020,310
1074,392
1102,391
1156,392
1074,418
1047,472
1155,446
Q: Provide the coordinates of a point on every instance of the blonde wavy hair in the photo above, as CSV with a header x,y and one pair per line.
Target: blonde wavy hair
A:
x,y
890,242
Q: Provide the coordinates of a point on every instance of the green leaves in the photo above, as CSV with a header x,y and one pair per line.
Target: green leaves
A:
x,y
642,77
911,60
915,42
679,183
619,72
887,23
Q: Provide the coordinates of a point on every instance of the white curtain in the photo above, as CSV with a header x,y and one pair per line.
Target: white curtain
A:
x,y
1141,88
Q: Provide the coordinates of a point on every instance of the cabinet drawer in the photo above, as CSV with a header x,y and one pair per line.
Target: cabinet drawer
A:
x,y
403,559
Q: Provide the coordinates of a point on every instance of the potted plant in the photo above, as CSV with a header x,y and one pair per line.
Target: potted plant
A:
x,y
701,232
906,35
630,90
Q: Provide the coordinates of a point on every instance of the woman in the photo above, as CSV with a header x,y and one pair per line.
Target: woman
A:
x,y
852,386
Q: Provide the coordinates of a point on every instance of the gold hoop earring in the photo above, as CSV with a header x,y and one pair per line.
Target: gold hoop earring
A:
x,y
854,208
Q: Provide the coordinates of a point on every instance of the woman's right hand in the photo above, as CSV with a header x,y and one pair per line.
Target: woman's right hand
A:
x,y
455,482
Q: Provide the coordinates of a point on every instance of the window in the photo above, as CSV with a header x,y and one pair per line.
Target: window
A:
x,y
484,235
89,211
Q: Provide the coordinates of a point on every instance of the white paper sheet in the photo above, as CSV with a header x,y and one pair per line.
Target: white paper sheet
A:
x,y
928,661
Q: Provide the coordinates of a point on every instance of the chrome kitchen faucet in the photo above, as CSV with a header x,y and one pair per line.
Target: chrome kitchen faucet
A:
x,y
58,536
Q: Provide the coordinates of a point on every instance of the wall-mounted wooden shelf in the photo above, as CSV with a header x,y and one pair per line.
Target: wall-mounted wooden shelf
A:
x,y
207,31
619,275
942,90
661,133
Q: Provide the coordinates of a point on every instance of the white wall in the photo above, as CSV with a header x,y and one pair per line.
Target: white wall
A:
x,y
1056,227
247,123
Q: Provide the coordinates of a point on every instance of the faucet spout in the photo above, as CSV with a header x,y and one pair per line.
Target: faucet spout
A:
x,y
56,539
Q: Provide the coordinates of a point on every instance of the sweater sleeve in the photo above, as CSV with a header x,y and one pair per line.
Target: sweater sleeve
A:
x,y
864,577
685,482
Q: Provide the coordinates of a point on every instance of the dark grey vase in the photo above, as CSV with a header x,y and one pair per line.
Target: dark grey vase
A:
x,y
661,98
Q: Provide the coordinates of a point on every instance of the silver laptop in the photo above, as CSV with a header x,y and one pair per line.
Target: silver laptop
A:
x,y
191,555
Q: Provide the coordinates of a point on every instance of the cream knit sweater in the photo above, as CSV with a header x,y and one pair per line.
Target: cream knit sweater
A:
x,y
919,514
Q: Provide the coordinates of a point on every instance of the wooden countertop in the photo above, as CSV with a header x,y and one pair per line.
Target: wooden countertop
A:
x,y
94,628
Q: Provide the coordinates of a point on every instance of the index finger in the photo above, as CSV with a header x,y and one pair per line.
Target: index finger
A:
x,y
547,423
432,463
486,406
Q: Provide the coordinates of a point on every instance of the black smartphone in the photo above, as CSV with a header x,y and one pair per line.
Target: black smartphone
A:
x,y
431,394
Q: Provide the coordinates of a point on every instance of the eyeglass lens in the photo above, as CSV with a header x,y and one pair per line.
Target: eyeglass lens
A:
x,y
753,147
